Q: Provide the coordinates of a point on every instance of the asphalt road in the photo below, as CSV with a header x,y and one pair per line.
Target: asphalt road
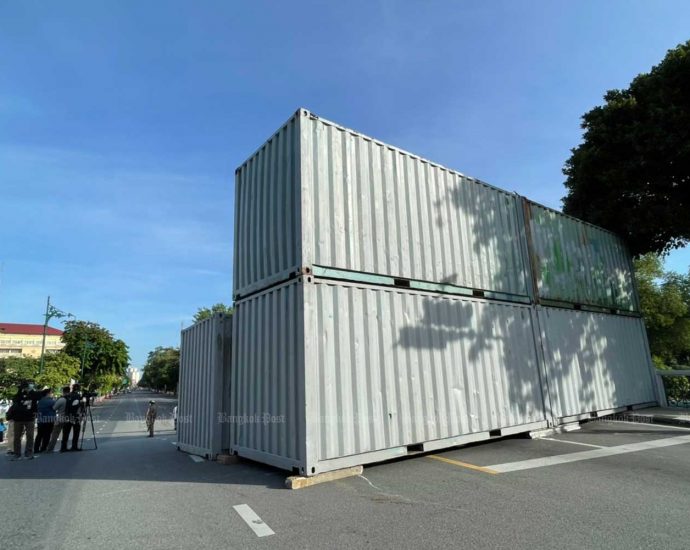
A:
x,y
629,487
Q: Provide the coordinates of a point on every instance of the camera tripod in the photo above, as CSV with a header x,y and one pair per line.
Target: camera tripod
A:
x,y
84,422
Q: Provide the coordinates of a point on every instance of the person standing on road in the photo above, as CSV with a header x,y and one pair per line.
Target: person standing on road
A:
x,y
73,415
22,413
175,417
46,420
151,414
3,429
59,408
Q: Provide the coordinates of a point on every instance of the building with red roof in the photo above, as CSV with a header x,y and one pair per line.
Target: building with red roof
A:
x,y
21,339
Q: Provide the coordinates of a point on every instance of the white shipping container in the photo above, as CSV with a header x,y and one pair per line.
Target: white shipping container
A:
x,y
318,194
595,362
331,375
203,388
576,262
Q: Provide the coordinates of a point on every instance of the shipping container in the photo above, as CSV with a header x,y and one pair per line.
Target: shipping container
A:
x,y
203,389
328,375
575,262
386,305
595,362
320,195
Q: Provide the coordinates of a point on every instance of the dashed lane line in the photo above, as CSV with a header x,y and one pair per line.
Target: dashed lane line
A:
x,y
255,523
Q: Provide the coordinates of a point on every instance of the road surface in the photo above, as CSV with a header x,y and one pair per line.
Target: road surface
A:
x,y
629,487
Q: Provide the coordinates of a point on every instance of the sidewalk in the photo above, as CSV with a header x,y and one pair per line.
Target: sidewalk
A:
x,y
661,415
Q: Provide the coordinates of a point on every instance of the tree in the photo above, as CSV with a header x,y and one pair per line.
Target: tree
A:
x,y
105,357
162,369
205,312
12,371
58,370
665,305
631,173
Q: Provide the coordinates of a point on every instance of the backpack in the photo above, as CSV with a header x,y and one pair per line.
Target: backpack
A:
x,y
74,404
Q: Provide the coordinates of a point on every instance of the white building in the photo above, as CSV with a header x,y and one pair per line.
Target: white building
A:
x,y
134,375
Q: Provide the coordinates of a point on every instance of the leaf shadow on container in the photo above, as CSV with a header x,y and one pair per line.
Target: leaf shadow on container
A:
x,y
489,222
579,263
573,352
487,354
482,211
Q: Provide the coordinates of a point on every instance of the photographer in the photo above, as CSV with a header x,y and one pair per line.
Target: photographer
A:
x,y
74,411
59,408
23,415
46,420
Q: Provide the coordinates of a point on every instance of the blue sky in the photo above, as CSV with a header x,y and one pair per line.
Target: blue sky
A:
x,y
121,124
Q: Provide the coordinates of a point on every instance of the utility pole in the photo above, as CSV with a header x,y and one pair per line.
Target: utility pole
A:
x,y
51,311
88,346
45,328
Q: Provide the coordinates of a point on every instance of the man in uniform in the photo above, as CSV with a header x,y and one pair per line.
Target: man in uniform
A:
x,y
151,414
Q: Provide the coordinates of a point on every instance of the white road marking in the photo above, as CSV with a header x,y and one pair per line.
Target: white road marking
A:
x,y
588,455
196,458
174,442
645,424
573,442
255,522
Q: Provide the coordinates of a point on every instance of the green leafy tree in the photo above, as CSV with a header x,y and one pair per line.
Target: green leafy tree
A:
x,y
207,312
631,174
58,370
162,369
105,357
12,371
665,305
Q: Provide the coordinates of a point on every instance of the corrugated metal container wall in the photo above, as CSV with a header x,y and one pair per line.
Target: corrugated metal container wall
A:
x,y
267,402
390,368
580,263
594,361
369,370
203,365
267,213
370,207
319,194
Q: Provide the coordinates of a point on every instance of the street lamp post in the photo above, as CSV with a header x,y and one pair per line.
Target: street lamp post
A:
x,y
51,311
88,346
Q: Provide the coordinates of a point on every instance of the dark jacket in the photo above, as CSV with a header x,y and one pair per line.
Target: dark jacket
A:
x,y
74,407
24,406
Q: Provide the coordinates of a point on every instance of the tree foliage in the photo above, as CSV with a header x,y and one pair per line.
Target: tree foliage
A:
x,y
162,369
631,174
665,305
105,357
58,370
207,312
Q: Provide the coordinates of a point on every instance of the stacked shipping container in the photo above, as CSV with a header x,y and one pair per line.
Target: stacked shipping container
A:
x,y
387,305
204,386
